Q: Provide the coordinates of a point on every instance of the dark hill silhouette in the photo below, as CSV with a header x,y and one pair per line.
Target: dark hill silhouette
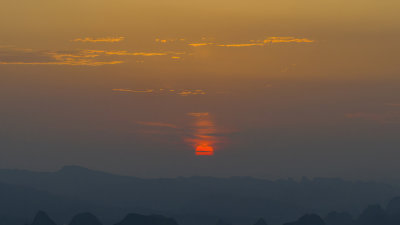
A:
x,y
393,211
339,218
137,219
42,218
372,215
222,222
308,219
261,221
85,219
194,199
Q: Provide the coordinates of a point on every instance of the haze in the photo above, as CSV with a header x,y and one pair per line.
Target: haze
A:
x,y
269,89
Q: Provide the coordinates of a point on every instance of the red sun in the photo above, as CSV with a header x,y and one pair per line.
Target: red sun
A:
x,y
204,150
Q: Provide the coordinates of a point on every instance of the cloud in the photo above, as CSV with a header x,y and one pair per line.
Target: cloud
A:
x,y
95,40
242,45
253,43
133,91
163,41
200,44
69,58
198,114
191,92
157,124
136,53
88,57
80,63
183,92
287,40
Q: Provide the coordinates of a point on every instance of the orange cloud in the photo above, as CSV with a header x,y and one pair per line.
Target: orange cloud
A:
x,y
136,53
133,91
256,43
242,45
95,40
198,114
191,92
78,63
287,40
200,44
16,56
184,92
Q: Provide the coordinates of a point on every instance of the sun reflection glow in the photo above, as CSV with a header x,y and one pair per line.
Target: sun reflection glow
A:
x,y
203,138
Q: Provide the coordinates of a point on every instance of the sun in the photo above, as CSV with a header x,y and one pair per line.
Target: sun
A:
x,y
204,150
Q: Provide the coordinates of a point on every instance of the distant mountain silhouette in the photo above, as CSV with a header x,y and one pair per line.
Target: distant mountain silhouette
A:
x,y
136,219
261,221
222,222
308,219
339,218
42,218
85,219
393,212
372,215
192,200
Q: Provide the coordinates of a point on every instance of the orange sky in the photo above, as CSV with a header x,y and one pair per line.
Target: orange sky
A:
x,y
279,81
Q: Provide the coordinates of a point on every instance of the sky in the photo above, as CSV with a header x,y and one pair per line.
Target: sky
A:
x,y
167,88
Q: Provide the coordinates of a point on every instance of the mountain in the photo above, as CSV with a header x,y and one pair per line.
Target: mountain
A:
x,y
393,211
261,221
85,219
339,218
200,200
136,219
308,219
372,215
42,218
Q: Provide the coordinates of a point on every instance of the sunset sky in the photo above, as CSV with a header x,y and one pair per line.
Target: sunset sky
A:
x,y
167,88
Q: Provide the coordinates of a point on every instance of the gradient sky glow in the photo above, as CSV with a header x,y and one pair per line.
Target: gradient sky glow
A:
x,y
275,89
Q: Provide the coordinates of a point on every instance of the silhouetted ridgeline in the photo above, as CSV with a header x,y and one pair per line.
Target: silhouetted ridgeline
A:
x,y
191,201
372,215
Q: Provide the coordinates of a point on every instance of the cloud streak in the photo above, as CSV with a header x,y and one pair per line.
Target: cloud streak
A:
x,y
253,43
133,91
68,58
182,92
96,40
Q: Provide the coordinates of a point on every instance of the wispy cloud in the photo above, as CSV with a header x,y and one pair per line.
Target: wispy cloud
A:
x,y
162,91
69,58
287,40
254,43
95,40
136,53
169,40
199,114
191,92
133,91
89,57
242,45
200,44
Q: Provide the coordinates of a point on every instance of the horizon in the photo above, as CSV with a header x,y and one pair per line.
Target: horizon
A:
x,y
295,179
